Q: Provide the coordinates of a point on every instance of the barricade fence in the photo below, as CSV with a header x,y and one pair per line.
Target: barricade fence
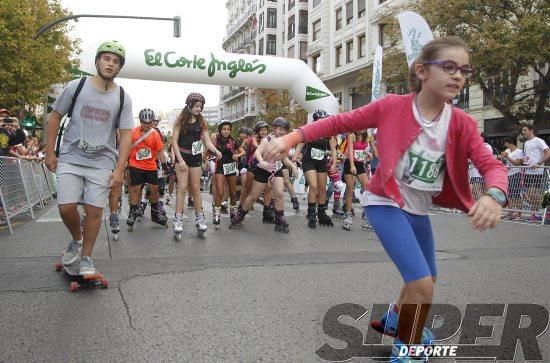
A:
x,y
526,186
23,185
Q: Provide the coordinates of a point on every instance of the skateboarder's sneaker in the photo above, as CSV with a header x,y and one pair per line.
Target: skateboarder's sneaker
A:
x,y
87,267
388,325
71,253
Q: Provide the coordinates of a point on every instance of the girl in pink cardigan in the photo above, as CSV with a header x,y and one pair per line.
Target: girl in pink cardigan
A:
x,y
424,145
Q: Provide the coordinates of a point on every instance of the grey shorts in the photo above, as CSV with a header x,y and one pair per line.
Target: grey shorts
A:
x,y
77,183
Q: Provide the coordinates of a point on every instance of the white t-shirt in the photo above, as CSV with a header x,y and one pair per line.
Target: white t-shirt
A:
x,y
534,153
420,171
473,172
514,155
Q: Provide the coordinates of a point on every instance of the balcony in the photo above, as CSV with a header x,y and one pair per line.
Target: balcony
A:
x,y
232,93
240,22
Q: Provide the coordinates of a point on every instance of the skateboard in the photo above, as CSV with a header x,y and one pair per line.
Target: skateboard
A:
x,y
78,281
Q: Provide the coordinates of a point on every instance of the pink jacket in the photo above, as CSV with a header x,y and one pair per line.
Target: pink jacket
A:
x,y
397,130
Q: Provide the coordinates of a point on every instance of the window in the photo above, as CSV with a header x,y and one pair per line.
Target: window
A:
x,y
463,98
303,51
361,46
360,9
316,30
339,18
338,96
382,36
302,26
290,53
349,12
261,46
291,4
315,3
349,51
291,27
338,56
271,44
271,18
316,63
261,23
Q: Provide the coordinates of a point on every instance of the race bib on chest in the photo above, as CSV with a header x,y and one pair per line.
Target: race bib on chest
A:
x,y
89,148
425,170
197,147
359,155
143,154
229,168
317,154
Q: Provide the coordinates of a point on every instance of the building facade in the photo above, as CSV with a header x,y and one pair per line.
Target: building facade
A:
x,y
337,39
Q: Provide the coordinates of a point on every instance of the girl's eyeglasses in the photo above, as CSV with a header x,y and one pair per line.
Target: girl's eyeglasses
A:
x,y
451,67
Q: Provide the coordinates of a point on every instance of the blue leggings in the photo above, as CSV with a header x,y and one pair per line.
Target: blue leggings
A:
x,y
407,239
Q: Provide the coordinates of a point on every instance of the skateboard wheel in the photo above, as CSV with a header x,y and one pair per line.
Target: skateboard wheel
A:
x,y
177,236
104,283
73,287
58,266
115,237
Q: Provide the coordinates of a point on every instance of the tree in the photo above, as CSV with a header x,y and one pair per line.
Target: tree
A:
x,y
508,40
29,67
278,103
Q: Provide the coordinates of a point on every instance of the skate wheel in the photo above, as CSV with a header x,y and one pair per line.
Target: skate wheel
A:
x,y
130,228
58,266
115,237
217,226
73,287
104,283
177,236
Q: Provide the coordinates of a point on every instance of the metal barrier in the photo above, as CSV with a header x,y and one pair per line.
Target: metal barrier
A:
x,y
23,184
525,188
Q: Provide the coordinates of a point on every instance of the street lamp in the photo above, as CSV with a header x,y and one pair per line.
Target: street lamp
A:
x,y
176,20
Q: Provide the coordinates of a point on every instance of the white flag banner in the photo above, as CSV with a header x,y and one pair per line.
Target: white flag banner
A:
x,y
415,31
377,74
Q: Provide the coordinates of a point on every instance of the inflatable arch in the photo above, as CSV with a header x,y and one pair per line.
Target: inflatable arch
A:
x,y
172,61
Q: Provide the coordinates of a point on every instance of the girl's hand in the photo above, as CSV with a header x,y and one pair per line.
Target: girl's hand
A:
x,y
485,213
274,150
333,167
183,166
263,164
353,170
236,157
218,155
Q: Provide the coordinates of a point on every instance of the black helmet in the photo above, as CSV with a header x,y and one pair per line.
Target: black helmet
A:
x,y
193,98
259,125
243,130
281,122
225,122
146,115
319,114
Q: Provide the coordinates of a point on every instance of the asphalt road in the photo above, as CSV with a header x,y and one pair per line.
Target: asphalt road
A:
x,y
250,294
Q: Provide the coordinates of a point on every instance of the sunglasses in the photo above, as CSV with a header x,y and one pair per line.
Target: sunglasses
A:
x,y
451,67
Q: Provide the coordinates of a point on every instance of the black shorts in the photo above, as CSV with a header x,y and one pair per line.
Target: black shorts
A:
x,y
192,161
262,175
358,165
536,181
139,176
319,166
514,185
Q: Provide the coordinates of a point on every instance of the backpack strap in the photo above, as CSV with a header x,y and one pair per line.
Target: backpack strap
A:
x,y
117,121
69,114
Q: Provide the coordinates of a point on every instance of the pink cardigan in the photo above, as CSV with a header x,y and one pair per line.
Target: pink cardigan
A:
x,y
397,130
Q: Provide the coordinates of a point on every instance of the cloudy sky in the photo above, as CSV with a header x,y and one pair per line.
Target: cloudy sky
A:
x,y
203,27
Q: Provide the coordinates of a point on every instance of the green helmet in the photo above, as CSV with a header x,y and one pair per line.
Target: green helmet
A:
x,y
112,47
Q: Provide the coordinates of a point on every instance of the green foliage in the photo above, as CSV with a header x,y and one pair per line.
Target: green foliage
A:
x,y
29,67
508,40
278,104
